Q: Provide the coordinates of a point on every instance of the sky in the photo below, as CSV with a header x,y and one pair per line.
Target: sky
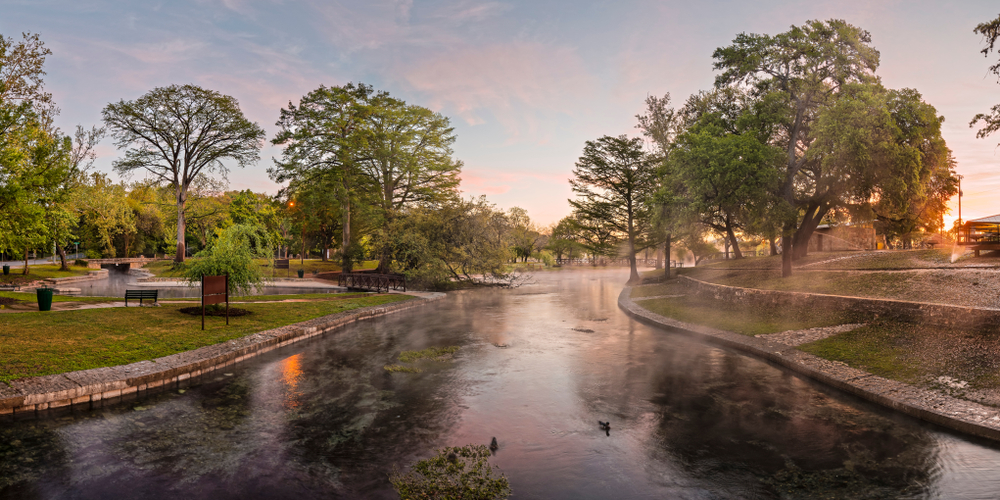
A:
x,y
525,83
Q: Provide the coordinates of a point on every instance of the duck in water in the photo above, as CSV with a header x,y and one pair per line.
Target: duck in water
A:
x,y
493,445
605,426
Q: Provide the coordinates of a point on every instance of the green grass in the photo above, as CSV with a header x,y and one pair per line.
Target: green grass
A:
x,y
740,318
44,343
429,353
828,282
31,297
43,271
672,287
879,348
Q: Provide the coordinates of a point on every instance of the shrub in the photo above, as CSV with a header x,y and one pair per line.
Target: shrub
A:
x,y
454,473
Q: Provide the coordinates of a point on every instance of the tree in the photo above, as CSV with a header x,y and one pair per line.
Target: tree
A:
x,y
796,73
180,133
105,209
232,253
725,172
322,139
991,122
21,74
564,238
615,180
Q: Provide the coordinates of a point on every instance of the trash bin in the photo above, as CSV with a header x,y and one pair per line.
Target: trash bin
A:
x,y
301,273
6,269
44,299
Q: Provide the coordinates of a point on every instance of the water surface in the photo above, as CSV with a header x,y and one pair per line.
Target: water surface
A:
x,y
323,419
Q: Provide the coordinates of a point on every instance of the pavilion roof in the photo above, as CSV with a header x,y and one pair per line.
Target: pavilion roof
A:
x,y
993,219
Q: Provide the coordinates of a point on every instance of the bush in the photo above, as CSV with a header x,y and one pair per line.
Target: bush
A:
x,y
80,263
454,473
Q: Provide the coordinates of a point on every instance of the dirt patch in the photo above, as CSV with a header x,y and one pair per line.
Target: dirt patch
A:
x,y
233,311
6,301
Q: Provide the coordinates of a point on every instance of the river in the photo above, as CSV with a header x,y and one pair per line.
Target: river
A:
x,y
322,419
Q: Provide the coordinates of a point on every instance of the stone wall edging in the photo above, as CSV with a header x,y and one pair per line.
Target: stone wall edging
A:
x,y
36,394
946,411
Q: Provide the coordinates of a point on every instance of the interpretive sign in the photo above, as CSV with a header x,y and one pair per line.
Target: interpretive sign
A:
x,y
214,290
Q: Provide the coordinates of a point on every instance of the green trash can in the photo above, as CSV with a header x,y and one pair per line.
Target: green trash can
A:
x,y
6,270
301,272
44,299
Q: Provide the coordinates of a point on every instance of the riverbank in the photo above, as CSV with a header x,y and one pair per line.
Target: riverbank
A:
x,y
869,361
107,384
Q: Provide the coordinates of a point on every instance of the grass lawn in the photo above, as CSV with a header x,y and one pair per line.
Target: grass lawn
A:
x,y
37,343
32,298
884,285
38,272
919,354
165,268
740,318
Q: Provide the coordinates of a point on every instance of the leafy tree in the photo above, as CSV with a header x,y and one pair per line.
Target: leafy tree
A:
x,y
232,253
991,122
796,73
105,209
406,157
615,180
180,133
524,234
323,137
455,473
725,171
564,238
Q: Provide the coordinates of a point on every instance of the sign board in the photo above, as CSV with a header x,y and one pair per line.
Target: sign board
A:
x,y
281,263
214,290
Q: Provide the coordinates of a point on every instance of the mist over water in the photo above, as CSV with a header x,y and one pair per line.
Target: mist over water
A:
x,y
323,419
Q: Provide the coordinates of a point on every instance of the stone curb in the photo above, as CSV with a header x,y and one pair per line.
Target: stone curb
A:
x,y
27,397
946,411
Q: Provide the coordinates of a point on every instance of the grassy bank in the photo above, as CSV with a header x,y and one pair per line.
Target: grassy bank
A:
x,y
39,272
724,315
955,361
38,343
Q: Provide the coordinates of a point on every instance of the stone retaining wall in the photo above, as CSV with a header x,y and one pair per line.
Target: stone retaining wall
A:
x,y
98,386
863,309
946,411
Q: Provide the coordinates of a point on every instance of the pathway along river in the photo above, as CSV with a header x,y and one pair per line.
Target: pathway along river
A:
x,y
322,418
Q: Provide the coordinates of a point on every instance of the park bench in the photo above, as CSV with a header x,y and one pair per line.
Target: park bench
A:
x,y
140,294
9,288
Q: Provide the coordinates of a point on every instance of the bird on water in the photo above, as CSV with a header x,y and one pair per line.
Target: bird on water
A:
x,y
494,445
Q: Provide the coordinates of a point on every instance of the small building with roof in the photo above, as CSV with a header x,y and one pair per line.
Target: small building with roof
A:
x,y
981,234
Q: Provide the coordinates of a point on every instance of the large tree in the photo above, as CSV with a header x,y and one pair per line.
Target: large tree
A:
x,y
991,33
323,136
406,157
615,180
180,133
798,72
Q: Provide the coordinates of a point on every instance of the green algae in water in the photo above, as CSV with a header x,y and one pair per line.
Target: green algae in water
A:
x,y
438,353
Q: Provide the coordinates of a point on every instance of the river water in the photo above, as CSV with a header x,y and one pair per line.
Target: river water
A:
x,y
322,419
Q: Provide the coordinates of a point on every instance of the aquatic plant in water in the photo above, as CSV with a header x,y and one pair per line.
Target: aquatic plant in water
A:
x,y
454,473
438,353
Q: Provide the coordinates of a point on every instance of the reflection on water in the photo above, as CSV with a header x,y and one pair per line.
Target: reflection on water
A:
x,y
323,419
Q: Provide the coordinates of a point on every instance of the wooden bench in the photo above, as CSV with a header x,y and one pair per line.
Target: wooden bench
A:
x,y
9,288
140,294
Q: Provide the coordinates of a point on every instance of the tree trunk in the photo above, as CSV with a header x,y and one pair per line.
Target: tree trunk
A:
x,y
810,221
181,228
62,257
666,257
737,254
774,248
786,253
633,272
345,261
25,270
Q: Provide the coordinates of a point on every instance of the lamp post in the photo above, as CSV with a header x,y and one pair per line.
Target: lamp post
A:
x,y
960,177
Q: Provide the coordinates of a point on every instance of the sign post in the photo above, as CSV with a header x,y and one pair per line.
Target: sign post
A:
x,y
214,290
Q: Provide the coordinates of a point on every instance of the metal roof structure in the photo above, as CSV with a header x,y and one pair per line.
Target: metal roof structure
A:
x,y
993,219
